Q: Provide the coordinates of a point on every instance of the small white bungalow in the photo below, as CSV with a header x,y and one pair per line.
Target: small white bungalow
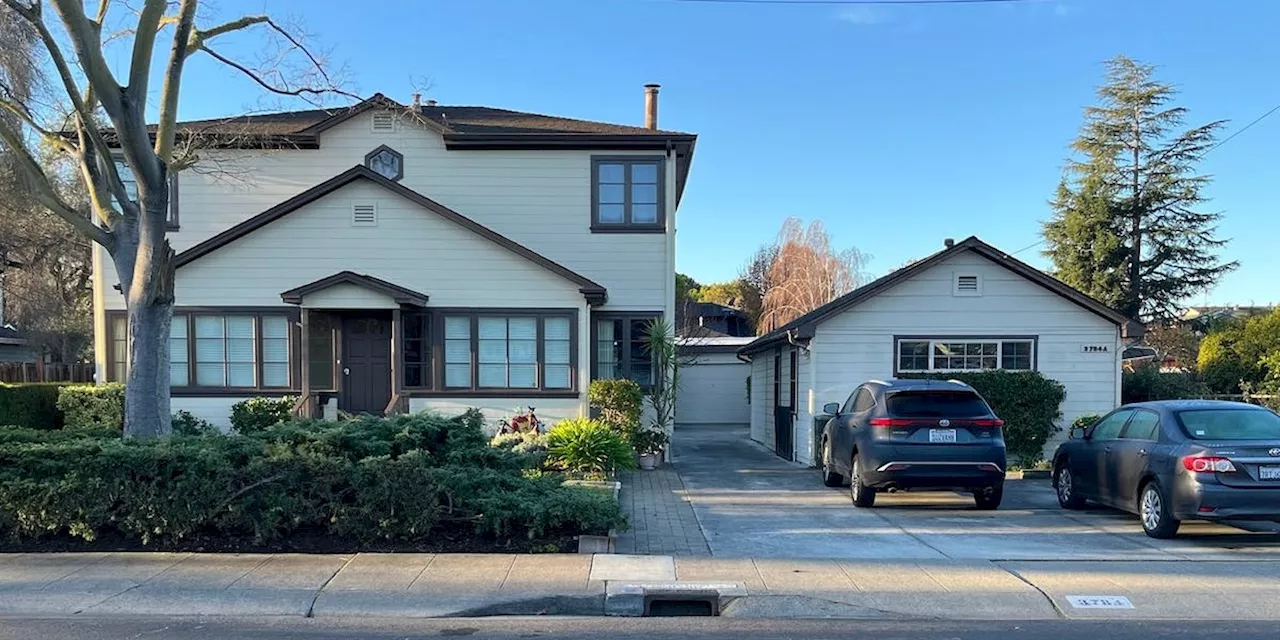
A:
x,y
968,307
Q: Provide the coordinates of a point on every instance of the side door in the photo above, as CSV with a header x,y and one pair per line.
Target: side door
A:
x,y
1130,456
1091,465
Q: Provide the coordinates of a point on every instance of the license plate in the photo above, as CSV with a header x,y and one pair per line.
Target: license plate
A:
x,y
942,435
1269,473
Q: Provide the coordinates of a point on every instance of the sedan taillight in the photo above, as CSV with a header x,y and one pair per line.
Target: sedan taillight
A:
x,y
1208,464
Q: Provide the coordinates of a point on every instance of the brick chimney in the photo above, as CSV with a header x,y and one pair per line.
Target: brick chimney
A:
x,y
651,106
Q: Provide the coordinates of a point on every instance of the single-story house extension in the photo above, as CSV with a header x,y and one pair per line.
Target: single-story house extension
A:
x,y
968,307
712,382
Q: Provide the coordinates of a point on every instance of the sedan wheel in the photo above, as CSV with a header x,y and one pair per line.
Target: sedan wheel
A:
x,y
1157,522
862,496
829,476
1068,496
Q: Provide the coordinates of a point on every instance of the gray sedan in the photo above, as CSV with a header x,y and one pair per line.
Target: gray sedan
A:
x,y
1175,460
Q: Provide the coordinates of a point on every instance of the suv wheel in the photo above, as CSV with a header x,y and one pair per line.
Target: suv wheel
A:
x,y
1064,484
1153,508
829,477
863,496
988,498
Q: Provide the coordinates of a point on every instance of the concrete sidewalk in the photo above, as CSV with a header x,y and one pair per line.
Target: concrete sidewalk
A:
x,y
427,585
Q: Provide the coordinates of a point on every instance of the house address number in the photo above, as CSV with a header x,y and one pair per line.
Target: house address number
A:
x,y
1095,348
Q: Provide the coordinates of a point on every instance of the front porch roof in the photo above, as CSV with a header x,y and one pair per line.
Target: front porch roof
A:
x,y
396,292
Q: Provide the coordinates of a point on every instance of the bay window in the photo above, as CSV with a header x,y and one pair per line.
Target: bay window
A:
x,y
922,355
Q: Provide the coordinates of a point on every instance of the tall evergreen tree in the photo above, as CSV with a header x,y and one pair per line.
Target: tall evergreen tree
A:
x,y
1127,228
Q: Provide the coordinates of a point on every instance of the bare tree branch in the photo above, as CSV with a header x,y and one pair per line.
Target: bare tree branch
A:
x,y
44,192
297,92
168,125
144,43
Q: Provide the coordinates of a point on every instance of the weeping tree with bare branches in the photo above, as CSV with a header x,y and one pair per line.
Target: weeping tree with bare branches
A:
x,y
108,118
805,272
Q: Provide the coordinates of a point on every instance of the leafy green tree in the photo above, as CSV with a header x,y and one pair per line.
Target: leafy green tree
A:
x,y
1127,225
1242,353
685,289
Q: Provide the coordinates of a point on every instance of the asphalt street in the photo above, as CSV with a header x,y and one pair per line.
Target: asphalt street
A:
x,y
616,629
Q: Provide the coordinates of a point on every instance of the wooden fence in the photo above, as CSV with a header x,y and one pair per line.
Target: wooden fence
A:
x,y
19,372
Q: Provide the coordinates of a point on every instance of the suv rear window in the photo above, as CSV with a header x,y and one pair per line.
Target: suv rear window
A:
x,y
937,404
1230,424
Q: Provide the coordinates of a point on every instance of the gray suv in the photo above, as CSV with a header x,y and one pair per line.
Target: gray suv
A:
x,y
906,435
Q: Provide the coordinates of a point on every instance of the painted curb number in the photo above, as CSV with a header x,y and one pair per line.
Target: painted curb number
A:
x,y
1100,602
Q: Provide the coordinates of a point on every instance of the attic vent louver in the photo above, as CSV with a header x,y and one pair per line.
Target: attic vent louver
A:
x,y
968,285
364,215
384,122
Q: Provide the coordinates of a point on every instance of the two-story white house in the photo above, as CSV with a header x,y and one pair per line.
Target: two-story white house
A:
x,y
389,258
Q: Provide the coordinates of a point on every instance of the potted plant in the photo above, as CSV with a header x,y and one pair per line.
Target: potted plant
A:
x,y
649,444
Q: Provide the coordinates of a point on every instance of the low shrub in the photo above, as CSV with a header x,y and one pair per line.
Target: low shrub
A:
x,y
186,424
1029,403
256,414
585,448
649,441
618,403
31,405
417,479
92,407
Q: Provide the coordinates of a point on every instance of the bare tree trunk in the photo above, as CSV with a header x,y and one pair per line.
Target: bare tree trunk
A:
x,y
146,278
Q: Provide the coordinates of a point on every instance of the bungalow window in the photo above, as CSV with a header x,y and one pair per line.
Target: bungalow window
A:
x,y
627,194
247,351
620,348
919,355
417,350
131,189
485,351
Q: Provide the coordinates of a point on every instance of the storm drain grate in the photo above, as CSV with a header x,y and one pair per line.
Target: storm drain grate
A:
x,y
682,604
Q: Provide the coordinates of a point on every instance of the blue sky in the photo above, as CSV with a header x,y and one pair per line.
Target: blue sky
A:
x,y
897,126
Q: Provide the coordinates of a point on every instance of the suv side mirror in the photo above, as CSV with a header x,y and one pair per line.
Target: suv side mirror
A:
x,y
831,408
1079,433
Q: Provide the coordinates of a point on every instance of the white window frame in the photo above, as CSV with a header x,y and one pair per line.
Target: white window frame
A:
x,y
999,341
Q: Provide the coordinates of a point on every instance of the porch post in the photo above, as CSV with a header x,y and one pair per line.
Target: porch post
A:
x,y
397,335
304,351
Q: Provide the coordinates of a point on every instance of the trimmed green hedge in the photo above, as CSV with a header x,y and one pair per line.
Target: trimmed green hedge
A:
x,y
256,414
1029,403
34,406
92,407
415,479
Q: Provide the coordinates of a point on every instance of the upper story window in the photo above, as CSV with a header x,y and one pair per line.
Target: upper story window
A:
x,y
627,194
131,188
386,162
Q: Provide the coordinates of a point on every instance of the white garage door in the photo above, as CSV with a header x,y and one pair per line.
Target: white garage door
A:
x,y
714,390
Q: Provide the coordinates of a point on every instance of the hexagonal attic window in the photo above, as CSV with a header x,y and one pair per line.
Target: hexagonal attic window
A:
x,y
386,162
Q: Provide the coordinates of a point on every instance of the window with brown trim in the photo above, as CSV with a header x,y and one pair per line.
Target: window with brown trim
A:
x,y
233,350
627,194
620,346
131,189
417,350
507,350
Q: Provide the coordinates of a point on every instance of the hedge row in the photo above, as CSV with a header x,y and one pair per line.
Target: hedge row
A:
x,y
1029,403
57,405
407,478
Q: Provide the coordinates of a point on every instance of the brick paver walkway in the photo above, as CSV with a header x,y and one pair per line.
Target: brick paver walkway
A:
x,y
662,522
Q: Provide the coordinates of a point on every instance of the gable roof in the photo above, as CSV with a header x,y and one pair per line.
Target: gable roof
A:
x,y
396,292
595,293
462,127
803,327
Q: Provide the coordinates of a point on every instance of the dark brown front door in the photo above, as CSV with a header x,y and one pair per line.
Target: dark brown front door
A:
x,y
366,364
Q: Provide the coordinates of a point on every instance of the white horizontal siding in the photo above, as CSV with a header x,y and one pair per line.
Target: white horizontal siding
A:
x,y
411,247
348,296
858,344
215,411
762,399
541,199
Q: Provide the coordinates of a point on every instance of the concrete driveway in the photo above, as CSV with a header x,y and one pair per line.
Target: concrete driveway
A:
x,y
753,504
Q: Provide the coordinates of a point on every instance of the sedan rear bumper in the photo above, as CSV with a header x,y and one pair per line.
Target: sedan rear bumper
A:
x,y
1204,501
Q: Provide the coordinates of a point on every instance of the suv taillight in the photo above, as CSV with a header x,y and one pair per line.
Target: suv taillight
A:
x,y
891,422
987,423
1208,464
